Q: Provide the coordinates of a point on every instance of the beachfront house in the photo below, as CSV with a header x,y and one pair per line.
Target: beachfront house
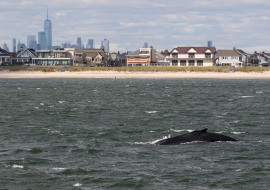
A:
x,y
259,59
91,57
25,56
117,59
192,56
59,57
5,58
228,57
141,57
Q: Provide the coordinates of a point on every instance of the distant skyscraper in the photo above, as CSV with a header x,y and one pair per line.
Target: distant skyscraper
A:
x,y
48,32
79,43
31,42
14,45
66,45
42,40
210,44
105,45
5,47
145,45
90,44
20,45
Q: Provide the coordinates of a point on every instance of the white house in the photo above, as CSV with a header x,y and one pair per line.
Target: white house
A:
x,y
192,56
227,57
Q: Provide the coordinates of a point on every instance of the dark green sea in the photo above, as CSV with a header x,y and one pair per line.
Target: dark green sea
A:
x,y
99,134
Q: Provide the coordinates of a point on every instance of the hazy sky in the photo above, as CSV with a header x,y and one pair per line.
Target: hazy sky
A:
x,y
127,24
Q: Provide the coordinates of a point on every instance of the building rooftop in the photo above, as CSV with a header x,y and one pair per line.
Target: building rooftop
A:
x,y
198,49
226,52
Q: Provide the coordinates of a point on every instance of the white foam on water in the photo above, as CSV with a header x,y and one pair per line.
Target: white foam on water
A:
x,y
77,185
155,141
59,169
19,88
38,88
177,131
17,166
238,133
42,104
259,92
247,96
151,112
61,102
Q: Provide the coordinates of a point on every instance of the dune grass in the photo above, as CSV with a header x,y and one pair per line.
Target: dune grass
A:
x,y
135,69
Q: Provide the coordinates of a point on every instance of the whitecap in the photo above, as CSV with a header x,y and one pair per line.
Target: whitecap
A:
x,y
19,88
61,102
42,104
247,96
238,133
238,170
155,141
17,166
59,169
259,92
77,185
38,88
151,112
177,131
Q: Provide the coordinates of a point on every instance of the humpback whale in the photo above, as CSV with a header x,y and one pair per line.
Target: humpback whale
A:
x,y
197,135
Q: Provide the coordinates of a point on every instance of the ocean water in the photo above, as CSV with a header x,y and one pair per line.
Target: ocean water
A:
x,y
100,133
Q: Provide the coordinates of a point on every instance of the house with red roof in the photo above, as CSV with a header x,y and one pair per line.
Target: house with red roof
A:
x,y
192,56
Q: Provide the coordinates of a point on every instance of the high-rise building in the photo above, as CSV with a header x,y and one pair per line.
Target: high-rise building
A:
x,y
210,44
105,45
41,40
13,45
48,32
31,42
90,44
66,45
145,45
20,46
5,47
79,43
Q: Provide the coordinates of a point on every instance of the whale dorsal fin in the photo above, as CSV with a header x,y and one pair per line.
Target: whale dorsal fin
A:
x,y
203,130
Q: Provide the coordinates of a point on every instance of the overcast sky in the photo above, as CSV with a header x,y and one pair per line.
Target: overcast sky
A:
x,y
127,24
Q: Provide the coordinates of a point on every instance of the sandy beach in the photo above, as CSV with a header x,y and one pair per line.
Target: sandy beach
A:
x,y
139,75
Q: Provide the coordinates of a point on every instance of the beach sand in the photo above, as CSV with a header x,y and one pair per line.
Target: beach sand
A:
x,y
139,75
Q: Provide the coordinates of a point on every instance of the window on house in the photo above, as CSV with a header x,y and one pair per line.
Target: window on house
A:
x,y
191,63
131,58
208,55
183,63
144,58
175,55
174,63
200,63
191,55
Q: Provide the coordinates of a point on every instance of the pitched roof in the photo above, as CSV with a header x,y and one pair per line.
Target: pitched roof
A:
x,y
4,52
30,52
134,53
92,52
199,50
226,52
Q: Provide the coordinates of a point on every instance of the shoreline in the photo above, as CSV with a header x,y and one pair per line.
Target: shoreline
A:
x,y
130,75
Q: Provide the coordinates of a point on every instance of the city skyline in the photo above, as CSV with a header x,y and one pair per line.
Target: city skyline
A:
x,y
164,25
